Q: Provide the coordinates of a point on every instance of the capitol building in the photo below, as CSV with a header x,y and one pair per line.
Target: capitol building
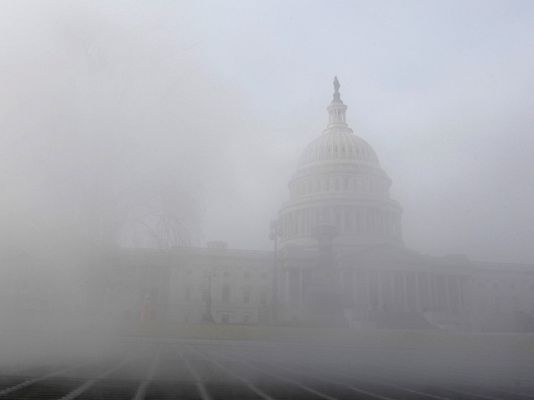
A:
x,y
338,260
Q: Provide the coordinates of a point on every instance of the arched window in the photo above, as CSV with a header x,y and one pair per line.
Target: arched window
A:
x,y
246,295
324,216
348,220
369,219
225,293
339,219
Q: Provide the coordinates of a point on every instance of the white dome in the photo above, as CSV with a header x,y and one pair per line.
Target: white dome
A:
x,y
339,183
339,145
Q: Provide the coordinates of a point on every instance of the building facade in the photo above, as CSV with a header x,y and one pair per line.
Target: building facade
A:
x,y
339,259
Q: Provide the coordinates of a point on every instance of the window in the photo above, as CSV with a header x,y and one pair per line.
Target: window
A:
x,y
263,298
348,220
225,293
246,295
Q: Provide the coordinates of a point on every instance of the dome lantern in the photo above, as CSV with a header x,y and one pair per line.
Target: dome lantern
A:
x,y
336,109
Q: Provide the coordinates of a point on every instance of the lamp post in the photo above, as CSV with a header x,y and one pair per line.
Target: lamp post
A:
x,y
274,235
208,316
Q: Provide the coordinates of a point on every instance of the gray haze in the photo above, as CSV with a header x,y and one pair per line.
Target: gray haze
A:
x,y
133,134
101,99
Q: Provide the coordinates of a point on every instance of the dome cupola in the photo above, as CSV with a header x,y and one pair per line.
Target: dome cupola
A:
x,y
336,109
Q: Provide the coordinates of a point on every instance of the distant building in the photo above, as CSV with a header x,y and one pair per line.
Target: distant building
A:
x,y
339,259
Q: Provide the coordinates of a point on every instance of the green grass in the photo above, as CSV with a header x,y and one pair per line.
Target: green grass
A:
x,y
397,338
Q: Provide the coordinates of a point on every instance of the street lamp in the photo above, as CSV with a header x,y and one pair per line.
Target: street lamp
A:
x,y
208,316
274,235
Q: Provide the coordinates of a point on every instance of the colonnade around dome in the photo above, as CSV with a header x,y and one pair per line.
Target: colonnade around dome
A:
x,y
369,222
365,186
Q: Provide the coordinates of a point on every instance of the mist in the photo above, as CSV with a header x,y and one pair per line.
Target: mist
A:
x,y
266,199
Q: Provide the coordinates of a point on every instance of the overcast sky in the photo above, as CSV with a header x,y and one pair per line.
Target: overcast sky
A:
x,y
223,96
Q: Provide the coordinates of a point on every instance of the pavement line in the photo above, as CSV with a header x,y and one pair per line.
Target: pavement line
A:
x,y
245,381
199,383
143,385
87,385
29,382
291,381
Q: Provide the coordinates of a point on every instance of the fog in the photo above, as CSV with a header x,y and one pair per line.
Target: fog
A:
x,y
145,148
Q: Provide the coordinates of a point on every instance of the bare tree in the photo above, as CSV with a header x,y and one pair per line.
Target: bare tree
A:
x,y
164,215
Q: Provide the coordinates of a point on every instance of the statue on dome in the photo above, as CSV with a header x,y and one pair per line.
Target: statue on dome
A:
x,y
336,84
